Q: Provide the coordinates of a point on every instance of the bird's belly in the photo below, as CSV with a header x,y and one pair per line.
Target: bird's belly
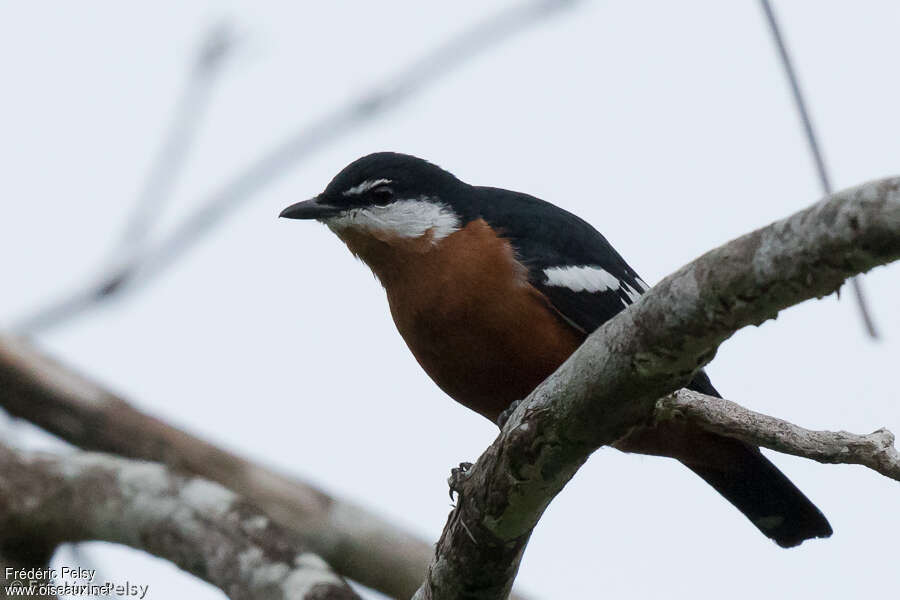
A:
x,y
490,349
467,311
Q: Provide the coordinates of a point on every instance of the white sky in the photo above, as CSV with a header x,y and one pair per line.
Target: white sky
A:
x,y
666,125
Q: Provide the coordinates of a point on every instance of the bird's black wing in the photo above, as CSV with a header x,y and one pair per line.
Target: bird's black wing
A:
x,y
587,282
568,260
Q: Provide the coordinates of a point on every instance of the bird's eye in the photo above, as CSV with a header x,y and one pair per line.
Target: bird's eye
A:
x,y
382,195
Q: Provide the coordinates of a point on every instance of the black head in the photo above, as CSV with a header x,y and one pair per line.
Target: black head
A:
x,y
378,180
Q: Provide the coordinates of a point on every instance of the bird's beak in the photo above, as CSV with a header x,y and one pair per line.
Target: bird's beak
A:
x,y
310,209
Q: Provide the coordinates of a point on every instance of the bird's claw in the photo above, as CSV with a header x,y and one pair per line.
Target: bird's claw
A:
x,y
457,476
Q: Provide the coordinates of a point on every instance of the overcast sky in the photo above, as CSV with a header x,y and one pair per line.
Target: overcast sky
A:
x,y
667,125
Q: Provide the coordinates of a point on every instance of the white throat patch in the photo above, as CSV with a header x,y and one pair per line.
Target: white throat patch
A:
x,y
402,218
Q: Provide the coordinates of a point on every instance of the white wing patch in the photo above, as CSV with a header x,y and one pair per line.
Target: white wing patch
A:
x,y
403,218
592,279
581,279
364,187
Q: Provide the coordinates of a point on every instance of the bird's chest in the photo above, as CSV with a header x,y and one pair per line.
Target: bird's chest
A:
x,y
473,321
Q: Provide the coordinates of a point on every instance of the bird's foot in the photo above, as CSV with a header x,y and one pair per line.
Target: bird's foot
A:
x,y
506,414
457,476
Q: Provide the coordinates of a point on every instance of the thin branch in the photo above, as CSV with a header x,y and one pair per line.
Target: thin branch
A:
x,y
358,544
199,525
142,268
611,384
170,158
814,147
875,450
155,191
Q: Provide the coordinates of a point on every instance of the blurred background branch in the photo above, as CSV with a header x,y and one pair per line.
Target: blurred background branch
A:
x,y
211,56
204,528
814,147
357,543
140,265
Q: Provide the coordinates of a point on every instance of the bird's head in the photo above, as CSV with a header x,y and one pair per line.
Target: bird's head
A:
x,y
387,199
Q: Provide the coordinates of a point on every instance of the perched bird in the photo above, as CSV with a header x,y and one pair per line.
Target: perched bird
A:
x,y
492,290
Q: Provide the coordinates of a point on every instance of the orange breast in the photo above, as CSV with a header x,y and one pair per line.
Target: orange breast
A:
x,y
467,312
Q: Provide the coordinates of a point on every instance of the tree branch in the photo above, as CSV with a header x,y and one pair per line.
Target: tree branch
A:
x,y
875,450
611,384
199,525
358,544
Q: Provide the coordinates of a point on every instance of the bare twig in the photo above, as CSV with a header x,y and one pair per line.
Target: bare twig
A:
x,y
170,159
156,190
875,450
199,525
141,269
611,384
814,147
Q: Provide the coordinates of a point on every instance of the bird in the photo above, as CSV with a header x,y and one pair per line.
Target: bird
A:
x,y
492,290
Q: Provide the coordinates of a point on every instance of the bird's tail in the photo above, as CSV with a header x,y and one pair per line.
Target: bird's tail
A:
x,y
753,484
763,493
741,474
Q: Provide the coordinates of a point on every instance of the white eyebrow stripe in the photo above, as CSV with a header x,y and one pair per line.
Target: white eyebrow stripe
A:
x,y
365,186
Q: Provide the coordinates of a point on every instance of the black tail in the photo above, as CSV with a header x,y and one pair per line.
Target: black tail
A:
x,y
738,471
754,485
764,494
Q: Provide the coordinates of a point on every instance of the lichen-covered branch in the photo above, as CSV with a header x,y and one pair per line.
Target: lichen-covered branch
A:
x,y
356,543
611,384
875,450
199,525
